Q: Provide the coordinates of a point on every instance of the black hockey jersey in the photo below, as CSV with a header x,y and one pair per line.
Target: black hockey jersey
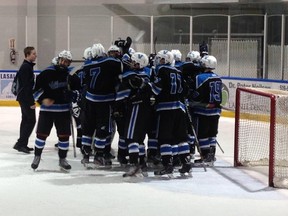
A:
x,y
54,82
169,88
208,94
126,91
190,70
101,76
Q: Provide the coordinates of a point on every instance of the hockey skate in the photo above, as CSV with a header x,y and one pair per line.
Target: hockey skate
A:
x,y
86,163
109,155
186,170
167,170
176,161
153,160
122,161
134,171
108,160
99,161
64,165
144,169
35,162
208,161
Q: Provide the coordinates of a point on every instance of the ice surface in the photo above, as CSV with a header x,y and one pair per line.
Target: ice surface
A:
x,y
222,190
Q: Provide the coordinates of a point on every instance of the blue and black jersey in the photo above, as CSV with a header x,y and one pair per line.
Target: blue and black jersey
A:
x,y
126,91
208,94
53,83
101,76
169,88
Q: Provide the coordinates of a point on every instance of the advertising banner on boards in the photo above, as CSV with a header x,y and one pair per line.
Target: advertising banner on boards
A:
x,y
230,84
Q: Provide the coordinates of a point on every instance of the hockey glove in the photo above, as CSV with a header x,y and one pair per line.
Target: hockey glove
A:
x,y
72,96
118,109
136,99
136,82
75,110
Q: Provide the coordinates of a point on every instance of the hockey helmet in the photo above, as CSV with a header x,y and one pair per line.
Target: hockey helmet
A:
x,y
65,54
193,56
140,58
209,62
176,54
166,55
97,50
87,53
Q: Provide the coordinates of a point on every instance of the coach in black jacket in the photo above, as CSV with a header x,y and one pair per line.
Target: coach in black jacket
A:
x,y
26,100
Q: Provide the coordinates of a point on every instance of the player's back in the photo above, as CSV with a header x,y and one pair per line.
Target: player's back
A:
x,y
101,75
171,83
209,86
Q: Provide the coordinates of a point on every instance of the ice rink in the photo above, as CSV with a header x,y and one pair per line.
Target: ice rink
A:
x,y
221,191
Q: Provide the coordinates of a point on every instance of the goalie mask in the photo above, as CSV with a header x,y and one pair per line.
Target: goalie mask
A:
x,y
209,62
139,58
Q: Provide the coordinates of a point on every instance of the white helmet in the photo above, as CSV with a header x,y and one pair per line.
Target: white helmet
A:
x,y
97,50
166,55
87,53
177,54
140,58
194,56
65,54
209,62
131,51
113,48
54,61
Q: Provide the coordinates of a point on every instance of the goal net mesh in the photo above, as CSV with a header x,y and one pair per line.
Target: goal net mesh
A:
x,y
261,132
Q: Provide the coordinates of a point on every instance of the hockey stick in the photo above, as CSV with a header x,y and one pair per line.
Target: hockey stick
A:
x,y
220,147
73,136
195,135
154,44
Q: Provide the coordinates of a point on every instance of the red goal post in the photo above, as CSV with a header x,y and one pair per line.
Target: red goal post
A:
x,y
261,132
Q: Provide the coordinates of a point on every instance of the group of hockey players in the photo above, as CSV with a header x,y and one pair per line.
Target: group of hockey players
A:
x,y
175,103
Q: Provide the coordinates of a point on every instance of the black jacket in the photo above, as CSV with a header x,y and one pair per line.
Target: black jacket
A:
x,y
26,83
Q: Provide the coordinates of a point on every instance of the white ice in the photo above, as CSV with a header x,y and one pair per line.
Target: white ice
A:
x,y
222,190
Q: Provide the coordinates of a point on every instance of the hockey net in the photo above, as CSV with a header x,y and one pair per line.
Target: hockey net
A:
x,y
261,132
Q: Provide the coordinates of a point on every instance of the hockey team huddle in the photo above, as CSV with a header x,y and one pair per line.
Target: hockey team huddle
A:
x,y
175,104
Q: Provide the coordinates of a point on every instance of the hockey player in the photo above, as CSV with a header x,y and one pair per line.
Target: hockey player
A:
x,y
75,108
54,93
78,111
135,92
153,151
114,52
190,69
87,55
172,133
206,102
101,77
177,58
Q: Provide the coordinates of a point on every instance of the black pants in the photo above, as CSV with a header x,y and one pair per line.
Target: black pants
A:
x,y
27,124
